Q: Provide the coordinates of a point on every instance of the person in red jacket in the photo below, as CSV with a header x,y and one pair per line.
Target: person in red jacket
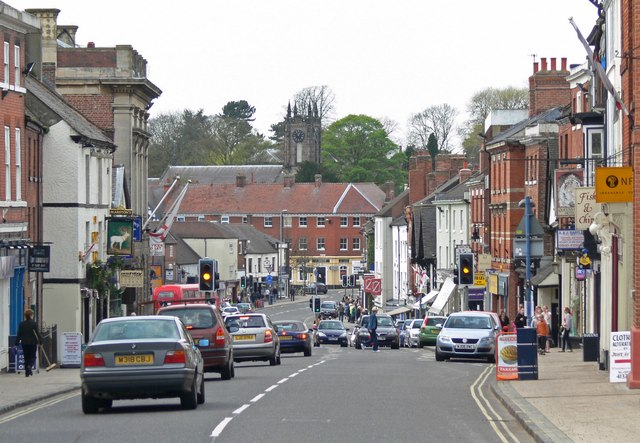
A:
x,y
542,329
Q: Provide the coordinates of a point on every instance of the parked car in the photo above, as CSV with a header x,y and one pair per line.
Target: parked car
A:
x,y
254,338
329,309
294,336
331,332
311,288
468,334
387,332
141,357
244,308
206,326
412,329
403,331
430,329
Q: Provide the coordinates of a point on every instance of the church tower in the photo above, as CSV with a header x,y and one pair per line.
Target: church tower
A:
x,y
302,135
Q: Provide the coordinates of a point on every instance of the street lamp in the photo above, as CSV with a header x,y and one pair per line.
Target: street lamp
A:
x,y
283,287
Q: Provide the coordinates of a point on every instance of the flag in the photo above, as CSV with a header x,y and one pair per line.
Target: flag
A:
x,y
166,223
600,71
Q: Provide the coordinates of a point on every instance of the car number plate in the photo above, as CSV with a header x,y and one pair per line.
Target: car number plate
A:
x,y
243,337
333,338
286,337
139,359
467,346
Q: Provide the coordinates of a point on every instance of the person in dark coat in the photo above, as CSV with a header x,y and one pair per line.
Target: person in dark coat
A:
x,y
29,337
373,326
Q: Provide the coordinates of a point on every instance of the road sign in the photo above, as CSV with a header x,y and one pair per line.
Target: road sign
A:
x,y
373,285
269,279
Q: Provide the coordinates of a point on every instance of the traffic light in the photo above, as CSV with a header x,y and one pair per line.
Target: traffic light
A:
x,y
243,281
344,281
465,269
352,281
205,274
316,304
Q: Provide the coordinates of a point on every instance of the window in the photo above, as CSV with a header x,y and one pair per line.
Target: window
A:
x,y
245,219
344,244
16,66
5,79
180,218
302,222
200,218
356,244
344,222
320,244
287,223
224,219
302,243
268,221
18,165
320,222
7,163
356,222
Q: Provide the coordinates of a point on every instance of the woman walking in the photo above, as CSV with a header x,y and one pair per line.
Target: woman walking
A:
x,y
29,336
567,324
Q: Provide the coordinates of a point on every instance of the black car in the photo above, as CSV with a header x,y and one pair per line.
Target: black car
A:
x,y
329,309
311,288
294,336
387,332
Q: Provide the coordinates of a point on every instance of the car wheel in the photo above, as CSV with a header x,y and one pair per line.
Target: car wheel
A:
x,y
201,393
439,356
273,360
279,358
491,359
420,345
90,405
343,345
395,345
190,399
227,372
308,351
358,345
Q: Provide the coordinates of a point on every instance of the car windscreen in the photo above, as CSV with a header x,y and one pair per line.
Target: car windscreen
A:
x,y
245,322
330,325
289,326
134,330
328,305
194,318
385,321
462,322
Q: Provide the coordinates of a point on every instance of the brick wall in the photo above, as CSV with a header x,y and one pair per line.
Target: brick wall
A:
x,y
96,108
548,86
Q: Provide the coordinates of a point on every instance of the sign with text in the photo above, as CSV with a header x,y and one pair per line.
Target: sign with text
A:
x,y
39,258
479,279
569,239
614,184
586,206
132,278
619,356
507,356
373,285
71,349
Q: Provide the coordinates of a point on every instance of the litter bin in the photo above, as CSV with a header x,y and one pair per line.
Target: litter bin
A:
x,y
527,353
590,345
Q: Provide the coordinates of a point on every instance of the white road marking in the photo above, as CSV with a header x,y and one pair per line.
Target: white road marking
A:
x,y
282,381
294,374
302,370
256,398
218,429
241,408
270,388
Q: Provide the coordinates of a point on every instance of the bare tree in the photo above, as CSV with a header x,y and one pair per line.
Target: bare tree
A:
x,y
489,99
316,97
437,120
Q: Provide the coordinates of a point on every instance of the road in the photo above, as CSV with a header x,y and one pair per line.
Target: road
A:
x,y
337,394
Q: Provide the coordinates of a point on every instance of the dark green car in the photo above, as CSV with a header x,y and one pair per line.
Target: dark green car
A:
x,y
430,330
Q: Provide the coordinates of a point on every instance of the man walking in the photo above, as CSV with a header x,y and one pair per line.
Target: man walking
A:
x,y
373,326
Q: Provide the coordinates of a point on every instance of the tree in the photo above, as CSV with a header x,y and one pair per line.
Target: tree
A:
x,y
316,97
357,148
308,170
240,110
432,147
437,120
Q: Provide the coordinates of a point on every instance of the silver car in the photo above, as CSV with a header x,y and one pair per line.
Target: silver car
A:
x,y
468,334
254,338
141,357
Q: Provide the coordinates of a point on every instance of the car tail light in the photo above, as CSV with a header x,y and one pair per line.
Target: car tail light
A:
x,y
268,336
172,357
220,337
93,360
303,336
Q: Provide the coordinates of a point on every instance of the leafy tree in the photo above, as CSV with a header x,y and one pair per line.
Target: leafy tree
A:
x,y
240,110
308,170
438,120
432,147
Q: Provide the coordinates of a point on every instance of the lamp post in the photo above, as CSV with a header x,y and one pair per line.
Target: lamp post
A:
x,y
282,287
527,233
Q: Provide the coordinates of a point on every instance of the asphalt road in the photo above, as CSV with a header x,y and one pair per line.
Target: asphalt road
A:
x,y
337,394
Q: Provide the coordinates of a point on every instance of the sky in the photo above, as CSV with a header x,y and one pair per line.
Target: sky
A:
x,y
383,58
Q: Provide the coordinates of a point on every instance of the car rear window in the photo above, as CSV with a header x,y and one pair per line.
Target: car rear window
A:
x,y
328,305
245,322
193,318
417,324
290,326
141,329
432,321
475,322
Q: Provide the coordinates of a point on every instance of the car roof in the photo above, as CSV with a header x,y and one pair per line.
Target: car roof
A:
x,y
248,314
139,317
187,306
471,313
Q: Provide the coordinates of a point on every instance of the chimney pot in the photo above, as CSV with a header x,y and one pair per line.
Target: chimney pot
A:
x,y
318,180
563,63
91,45
535,67
553,63
543,68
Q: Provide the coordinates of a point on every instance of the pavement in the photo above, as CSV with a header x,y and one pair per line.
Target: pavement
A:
x,y
572,400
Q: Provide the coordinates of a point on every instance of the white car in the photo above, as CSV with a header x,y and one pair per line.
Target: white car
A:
x,y
229,310
412,331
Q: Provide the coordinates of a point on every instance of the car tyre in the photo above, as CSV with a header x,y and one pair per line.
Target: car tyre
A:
x,y
227,371
491,359
90,405
343,345
308,351
395,345
420,345
279,358
358,345
190,399
200,395
273,360
439,357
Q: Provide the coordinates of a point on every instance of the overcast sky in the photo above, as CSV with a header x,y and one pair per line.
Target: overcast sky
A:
x,y
383,58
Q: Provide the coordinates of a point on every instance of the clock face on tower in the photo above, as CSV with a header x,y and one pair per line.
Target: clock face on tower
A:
x,y
298,135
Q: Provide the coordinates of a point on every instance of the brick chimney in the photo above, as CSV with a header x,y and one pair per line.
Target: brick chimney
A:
x,y
318,180
289,180
389,191
548,88
241,181
464,174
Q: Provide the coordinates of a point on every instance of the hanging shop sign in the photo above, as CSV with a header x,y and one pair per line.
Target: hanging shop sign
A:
x,y
614,185
567,181
119,236
39,258
586,206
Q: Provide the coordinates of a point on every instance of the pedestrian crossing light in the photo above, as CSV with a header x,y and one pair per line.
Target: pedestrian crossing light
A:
x,y
465,269
206,274
243,282
316,305
352,281
344,281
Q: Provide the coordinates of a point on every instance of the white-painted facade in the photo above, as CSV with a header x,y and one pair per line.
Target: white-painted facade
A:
x,y
400,278
383,256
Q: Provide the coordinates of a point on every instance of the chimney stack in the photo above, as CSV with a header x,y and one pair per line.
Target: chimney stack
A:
x,y
464,174
289,180
318,180
241,181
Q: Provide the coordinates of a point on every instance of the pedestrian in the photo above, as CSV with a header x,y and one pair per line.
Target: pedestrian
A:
x,y
546,313
521,319
373,327
341,311
567,324
29,336
542,330
504,321
292,293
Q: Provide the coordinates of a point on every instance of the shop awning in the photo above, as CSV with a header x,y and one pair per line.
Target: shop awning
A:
x,y
398,311
443,296
431,296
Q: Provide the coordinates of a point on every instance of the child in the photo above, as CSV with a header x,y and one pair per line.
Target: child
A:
x,y
542,329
